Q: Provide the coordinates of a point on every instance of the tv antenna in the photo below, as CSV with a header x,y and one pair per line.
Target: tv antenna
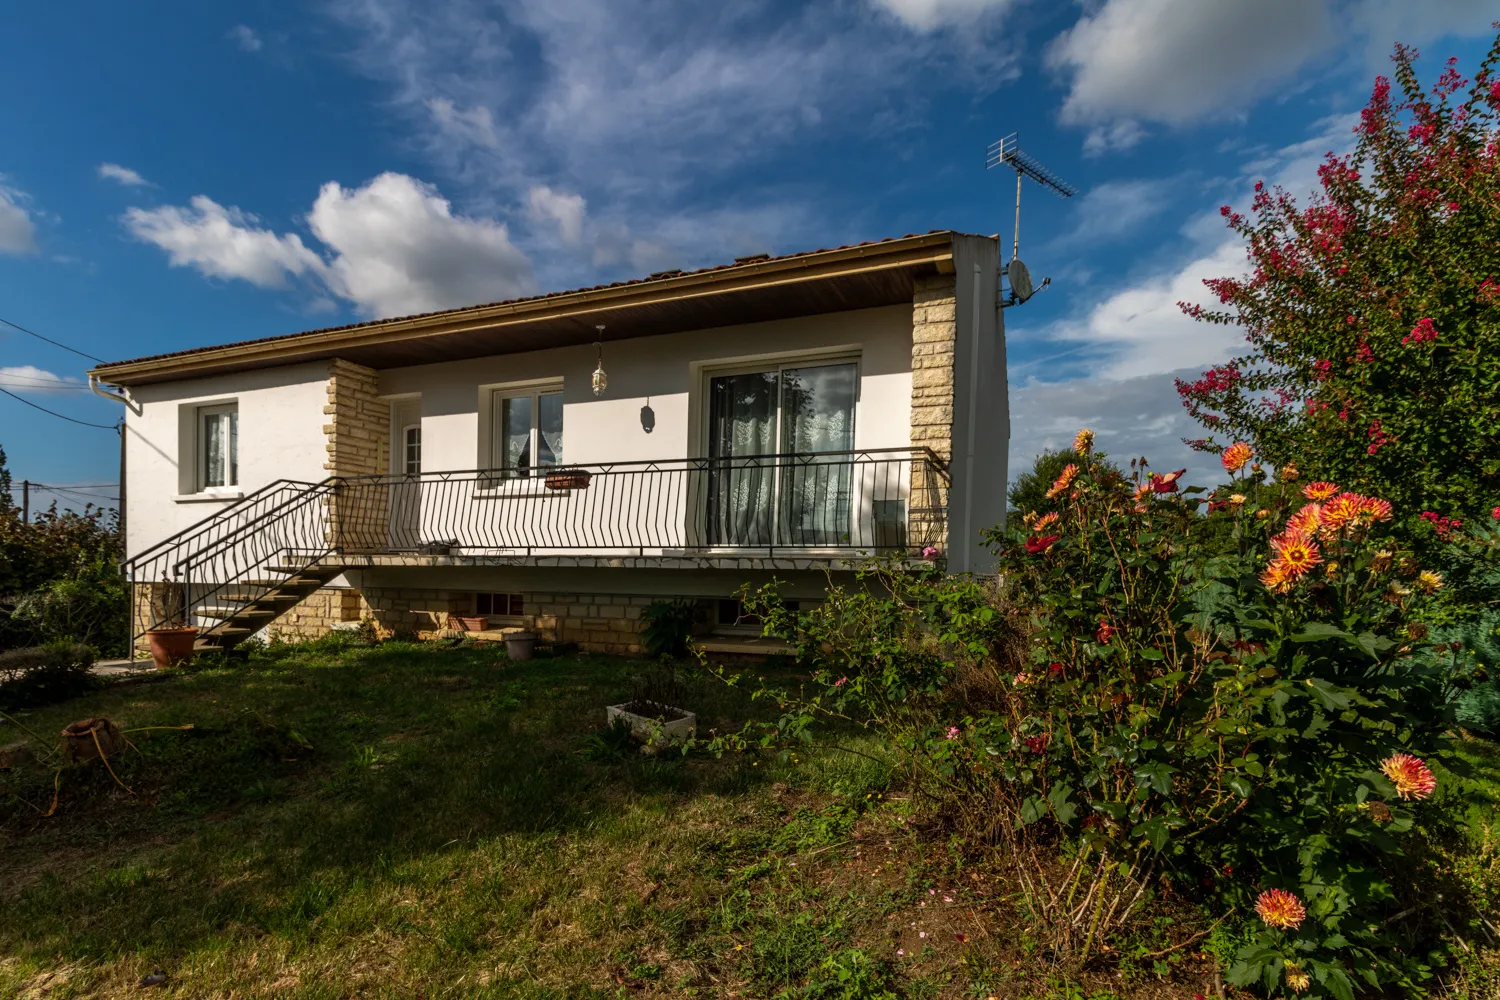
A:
x,y
1007,152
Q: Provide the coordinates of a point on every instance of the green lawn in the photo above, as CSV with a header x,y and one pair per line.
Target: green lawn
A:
x,y
423,821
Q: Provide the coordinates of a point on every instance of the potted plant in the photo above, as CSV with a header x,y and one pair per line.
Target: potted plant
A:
x,y
172,638
652,712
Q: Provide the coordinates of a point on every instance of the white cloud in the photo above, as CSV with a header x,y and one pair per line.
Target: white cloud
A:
x,y
246,38
649,109
398,248
547,205
1177,61
1115,137
925,15
124,175
392,247
1116,209
474,125
1182,61
31,379
17,230
1131,418
223,242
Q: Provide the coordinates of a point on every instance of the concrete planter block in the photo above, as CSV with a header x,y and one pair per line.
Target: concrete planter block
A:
x,y
655,730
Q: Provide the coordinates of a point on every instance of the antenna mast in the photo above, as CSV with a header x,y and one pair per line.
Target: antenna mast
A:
x,y
1007,152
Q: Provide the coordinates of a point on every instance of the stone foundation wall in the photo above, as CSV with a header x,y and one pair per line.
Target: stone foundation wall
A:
x,y
597,623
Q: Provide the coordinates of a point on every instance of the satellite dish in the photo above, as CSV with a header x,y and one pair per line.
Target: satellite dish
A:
x,y
1020,280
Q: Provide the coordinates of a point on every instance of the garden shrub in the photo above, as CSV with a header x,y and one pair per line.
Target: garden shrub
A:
x,y
45,674
91,606
1235,698
668,628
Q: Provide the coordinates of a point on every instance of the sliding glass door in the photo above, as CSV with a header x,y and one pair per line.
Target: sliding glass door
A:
x,y
776,472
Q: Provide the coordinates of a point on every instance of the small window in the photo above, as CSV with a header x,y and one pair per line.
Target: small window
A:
x,y
528,431
411,443
218,447
499,604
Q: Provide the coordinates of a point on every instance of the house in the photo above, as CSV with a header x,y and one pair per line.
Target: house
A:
x,y
559,462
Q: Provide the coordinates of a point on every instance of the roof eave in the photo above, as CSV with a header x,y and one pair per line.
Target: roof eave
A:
x,y
930,249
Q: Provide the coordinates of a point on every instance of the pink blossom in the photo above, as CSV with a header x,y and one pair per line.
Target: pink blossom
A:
x,y
953,732
1423,332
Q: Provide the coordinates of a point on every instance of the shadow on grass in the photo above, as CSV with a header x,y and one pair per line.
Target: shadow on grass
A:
x,y
313,775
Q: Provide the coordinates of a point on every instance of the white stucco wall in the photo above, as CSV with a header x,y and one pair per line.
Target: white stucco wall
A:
x,y
280,437
665,373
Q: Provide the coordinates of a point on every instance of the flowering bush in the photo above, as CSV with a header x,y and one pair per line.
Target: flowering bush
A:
x,y
1234,698
1373,313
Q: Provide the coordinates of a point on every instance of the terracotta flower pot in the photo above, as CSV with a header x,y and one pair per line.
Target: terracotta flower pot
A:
x,y
171,647
469,623
568,479
92,738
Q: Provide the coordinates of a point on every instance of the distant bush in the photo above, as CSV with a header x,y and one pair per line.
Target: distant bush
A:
x,y
45,674
89,606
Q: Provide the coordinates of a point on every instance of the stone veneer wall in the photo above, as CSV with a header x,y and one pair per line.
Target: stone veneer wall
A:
x,y
934,324
934,332
359,421
598,623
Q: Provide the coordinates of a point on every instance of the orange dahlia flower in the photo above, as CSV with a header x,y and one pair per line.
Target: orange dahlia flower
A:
x,y
1044,522
1297,551
1235,457
1069,473
1411,775
1276,578
1306,520
1319,490
1340,513
1083,442
1279,908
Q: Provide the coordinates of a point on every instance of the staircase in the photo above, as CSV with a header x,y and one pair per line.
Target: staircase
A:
x,y
238,570
240,612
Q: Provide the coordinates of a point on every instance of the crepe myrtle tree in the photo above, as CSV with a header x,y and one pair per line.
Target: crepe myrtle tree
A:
x,y
1372,314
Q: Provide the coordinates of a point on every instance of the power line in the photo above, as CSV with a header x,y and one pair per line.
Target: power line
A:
x,y
107,427
49,340
9,377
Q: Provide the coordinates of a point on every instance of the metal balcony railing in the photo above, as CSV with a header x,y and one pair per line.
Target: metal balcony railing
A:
x,y
859,501
873,502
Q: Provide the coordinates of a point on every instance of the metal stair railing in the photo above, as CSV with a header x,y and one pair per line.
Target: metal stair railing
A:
x,y
237,555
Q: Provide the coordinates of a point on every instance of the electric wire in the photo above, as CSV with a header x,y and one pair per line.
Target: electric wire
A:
x,y
49,340
60,416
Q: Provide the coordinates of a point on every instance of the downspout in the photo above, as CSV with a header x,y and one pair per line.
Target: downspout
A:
x,y
968,534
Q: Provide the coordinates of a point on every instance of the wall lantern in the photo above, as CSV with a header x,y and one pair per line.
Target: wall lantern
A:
x,y
599,380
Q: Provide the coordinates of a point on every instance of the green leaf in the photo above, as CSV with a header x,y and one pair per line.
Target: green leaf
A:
x,y
1314,631
1063,809
1335,979
1154,830
1032,809
1329,696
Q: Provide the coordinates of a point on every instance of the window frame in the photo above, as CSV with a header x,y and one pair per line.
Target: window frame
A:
x,y
533,391
515,605
201,414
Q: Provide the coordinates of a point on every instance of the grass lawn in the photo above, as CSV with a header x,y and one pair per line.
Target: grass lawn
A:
x,y
423,821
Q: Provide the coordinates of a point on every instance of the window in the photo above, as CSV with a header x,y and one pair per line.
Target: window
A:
x,y
218,447
499,604
411,443
528,431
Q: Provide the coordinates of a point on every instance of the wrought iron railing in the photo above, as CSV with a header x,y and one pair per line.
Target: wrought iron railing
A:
x,y
875,502
870,501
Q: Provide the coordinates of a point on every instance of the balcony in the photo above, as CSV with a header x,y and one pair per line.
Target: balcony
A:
x,y
783,511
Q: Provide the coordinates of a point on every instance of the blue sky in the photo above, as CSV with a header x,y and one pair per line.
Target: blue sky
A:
x,y
179,174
